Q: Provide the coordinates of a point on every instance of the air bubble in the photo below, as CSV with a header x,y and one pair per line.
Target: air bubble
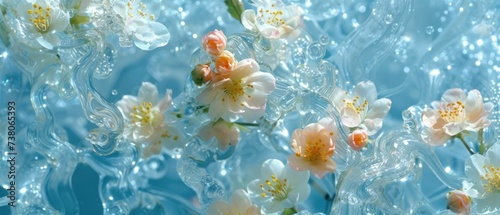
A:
x,y
114,92
388,19
429,30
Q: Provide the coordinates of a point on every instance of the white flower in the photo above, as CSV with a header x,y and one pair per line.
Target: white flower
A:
x,y
455,113
144,119
239,204
484,173
42,21
139,23
226,133
279,188
361,108
273,19
243,93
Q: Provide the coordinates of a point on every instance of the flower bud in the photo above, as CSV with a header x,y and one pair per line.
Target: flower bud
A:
x,y
458,202
214,42
225,63
201,74
358,139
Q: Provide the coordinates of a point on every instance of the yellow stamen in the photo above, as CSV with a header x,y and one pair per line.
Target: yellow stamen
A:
x,y
493,177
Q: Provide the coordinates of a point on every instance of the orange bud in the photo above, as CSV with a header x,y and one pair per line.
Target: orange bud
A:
x,y
214,42
201,74
458,202
225,63
358,139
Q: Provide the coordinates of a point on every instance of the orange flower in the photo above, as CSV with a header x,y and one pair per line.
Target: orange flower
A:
x,y
214,42
358,139
225,63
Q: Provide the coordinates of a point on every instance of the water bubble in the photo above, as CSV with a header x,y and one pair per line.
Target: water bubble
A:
x,y
98,137
323,40
114,92
388,19
429,30
316,51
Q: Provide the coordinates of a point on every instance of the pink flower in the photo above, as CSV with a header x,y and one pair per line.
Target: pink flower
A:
x,y
226,133
458,202
358,139
456,112
242,94
314,147
201,74
225,63
214,42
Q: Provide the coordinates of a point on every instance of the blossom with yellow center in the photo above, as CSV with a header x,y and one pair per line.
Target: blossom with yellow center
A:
x,y
42,22
279,188
314,147
145,120
484,180
361,108
139,25
273,19
243,93
456,112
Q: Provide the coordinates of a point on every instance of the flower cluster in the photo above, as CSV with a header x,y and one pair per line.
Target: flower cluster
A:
x,y
145,120
360,112
458,115
43,24
232,90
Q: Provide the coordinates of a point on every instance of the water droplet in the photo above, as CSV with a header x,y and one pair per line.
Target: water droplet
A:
x,y
429,30
114,92
388,19
323,40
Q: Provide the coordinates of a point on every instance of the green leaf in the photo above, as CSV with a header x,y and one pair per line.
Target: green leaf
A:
x,y
235,8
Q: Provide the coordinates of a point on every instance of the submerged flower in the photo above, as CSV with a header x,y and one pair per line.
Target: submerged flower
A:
x,y
42,21
361,108
455,113
225,64
273,20
314,147
239,204
226,133
144,119
280,187
139,23
458,202
484,173
243,93
214,42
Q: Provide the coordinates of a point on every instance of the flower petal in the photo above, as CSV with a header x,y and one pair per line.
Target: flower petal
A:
x,y
240,200
454,128
453,95
272,167
255,191
493,155
148,93
434,137
474,169
366,90
218,208
251,115
166,102
261,81
350,117
295,178
248,20
126,105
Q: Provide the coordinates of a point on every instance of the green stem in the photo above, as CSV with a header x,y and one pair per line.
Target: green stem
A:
x,y
480,138
248,124
461,138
